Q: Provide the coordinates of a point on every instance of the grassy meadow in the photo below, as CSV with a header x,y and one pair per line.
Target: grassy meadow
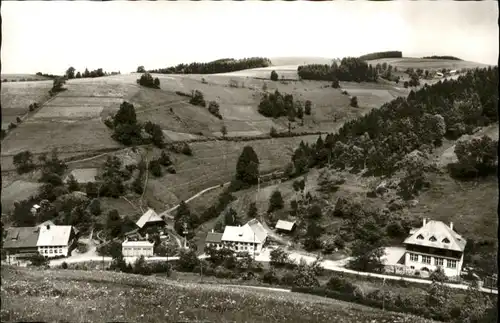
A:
x,y
91,296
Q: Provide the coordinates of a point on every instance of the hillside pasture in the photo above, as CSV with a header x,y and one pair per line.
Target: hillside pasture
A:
x,y
23,78
16,97
90,296
17,191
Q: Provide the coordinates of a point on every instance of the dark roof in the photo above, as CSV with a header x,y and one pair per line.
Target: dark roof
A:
x,y
213,237
21,237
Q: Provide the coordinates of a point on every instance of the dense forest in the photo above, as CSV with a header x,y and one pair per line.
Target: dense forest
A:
x,y
379,55
380,140
351,69
219,66
453,58
276,105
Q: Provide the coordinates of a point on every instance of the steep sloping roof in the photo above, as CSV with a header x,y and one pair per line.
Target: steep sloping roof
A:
x,y
440,232
213,237
137,244
285,225
57,235
21,237
148,217
259,230
251,232
44,224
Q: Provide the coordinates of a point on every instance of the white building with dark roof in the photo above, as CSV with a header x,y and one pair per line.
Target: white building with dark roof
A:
x,y
435,245
249,237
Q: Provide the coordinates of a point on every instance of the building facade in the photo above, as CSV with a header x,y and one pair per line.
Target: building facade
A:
x,y
250,238
137,248
435,245
55,240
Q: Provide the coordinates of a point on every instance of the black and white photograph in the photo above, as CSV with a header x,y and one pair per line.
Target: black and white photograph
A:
x,y
249,161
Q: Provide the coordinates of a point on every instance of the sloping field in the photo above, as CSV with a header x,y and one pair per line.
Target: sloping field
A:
x,y
429,64
287,72
84,296
471,206
17,96
21,77
17,191
279,61
449,156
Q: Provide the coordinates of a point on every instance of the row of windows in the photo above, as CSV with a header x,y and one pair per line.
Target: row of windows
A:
x,y
51,247
437,261
51,251
135,248
433,239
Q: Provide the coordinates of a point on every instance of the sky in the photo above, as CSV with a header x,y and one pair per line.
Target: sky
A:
x,y
121,35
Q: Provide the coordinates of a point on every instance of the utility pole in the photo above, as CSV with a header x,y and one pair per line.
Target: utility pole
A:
x,y
383,295
185,232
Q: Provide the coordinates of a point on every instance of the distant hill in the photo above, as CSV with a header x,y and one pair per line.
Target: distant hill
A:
x,y
304,60
453,58
22,77
378,55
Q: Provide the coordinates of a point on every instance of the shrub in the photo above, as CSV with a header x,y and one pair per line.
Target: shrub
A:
x,y
39,260
270,277
275,202
307,108
213,108
148,81
171,169
155,168
12,126
354,102
274,76
273,132
197,99
18,120
186,149
64,265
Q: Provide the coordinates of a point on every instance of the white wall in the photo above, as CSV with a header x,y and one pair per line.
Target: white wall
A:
x,y
53,251
418,265
137,251
242,246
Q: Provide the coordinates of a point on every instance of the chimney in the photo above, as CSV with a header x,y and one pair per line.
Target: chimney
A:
x,y
48,226
451,225
425,221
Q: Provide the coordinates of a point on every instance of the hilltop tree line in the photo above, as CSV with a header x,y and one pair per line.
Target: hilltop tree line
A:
x,y
379,55
381,139
219,66
71,73
442,57
351,69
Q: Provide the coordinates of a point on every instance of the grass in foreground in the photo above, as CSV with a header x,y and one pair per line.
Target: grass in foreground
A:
x,y
79,296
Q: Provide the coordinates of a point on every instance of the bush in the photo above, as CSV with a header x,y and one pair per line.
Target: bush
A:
x,y
186,149
155,168
64,265
270,277
12,126
18,120
275,202
274,76
354,102
213,108
148,81
197,99
273,132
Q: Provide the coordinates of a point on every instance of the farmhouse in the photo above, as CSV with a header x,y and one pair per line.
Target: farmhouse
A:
x,y
214,239
150,220
285,226
137,248
48,240
250,237
84,175
435,245
55,240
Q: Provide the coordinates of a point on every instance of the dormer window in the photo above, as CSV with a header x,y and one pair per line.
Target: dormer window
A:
x,y
420,237
433,239
445,240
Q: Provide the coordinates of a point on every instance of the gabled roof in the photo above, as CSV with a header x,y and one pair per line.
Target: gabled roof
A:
x,y
149,217
285,225
57,235
251,232
213,237
44,224
143,243
440,232
21,237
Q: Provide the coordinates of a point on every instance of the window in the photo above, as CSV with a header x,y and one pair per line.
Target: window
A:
x,y
420,237
51,251
451,263
445,240
433,239
413,257
439,261
426,259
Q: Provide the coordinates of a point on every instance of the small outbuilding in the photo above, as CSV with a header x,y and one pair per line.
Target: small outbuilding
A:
x,y
214,239
285,226
150,220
